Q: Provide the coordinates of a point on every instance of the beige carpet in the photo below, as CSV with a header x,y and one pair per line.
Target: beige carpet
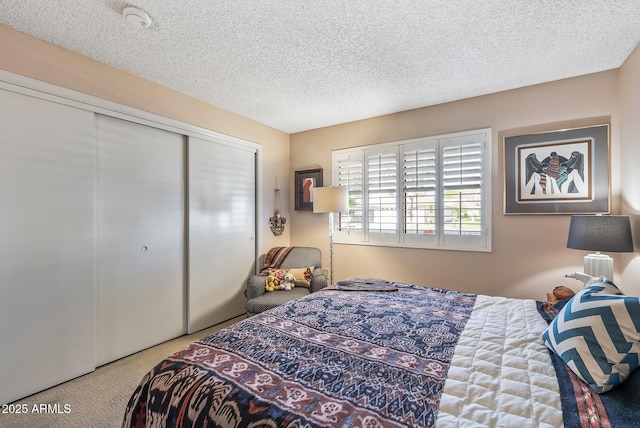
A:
x,y
97,399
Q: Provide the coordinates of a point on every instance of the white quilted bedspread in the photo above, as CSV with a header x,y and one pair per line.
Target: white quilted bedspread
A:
x,y
501,374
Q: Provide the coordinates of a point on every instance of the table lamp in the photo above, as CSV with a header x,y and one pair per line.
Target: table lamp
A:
x,y
610,233
330,200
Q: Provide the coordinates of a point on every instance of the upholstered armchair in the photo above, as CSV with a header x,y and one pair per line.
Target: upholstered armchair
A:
x,y
259,300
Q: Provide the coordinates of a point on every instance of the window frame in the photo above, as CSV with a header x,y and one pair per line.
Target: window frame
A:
x,y
359,157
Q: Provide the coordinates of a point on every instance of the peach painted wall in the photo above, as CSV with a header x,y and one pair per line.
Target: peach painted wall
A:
x,y
529,254
630,163
27,56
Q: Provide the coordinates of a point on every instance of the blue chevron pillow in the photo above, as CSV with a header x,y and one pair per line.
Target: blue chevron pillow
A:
x,y
597,334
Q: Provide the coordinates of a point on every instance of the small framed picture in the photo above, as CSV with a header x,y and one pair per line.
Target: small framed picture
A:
x,y
305,181
557,172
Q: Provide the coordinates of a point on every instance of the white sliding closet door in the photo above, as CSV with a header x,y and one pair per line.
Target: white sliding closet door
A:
x,y
47,176
222,227
141,235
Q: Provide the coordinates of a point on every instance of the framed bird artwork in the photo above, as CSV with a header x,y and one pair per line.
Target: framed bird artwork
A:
x,y
557,172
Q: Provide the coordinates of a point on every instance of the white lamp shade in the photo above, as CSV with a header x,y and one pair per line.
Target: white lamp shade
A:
x,y
330,199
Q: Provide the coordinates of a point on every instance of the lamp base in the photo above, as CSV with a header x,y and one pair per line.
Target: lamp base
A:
x,y
330,248
598,265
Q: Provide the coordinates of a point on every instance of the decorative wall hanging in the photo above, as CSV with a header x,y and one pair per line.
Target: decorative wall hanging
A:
x,y
277,222
305,182
557,172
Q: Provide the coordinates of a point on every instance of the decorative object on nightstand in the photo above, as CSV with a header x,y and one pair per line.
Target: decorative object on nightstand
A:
x,y
560,293
611,233
330,200
583,277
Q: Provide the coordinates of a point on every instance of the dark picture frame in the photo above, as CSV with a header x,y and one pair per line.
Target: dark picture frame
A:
x,y
558,172
305,181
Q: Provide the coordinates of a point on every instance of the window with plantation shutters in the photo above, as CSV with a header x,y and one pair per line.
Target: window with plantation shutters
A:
x,y
462,187
349,170
431,192
382,193
419,190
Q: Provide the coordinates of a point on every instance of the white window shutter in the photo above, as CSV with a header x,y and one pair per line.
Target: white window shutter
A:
x,y
419,188
462,187
348,171
382,194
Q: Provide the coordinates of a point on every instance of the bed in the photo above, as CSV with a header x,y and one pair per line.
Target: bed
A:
x,y
373,353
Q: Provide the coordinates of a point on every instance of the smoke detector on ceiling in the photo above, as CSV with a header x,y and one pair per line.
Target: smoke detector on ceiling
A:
x,y
137,17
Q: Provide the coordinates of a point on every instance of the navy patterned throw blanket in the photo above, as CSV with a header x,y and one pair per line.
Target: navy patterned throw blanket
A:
x,y
333,358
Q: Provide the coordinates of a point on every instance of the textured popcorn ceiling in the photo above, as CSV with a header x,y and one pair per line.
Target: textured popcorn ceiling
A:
x,y
299,65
